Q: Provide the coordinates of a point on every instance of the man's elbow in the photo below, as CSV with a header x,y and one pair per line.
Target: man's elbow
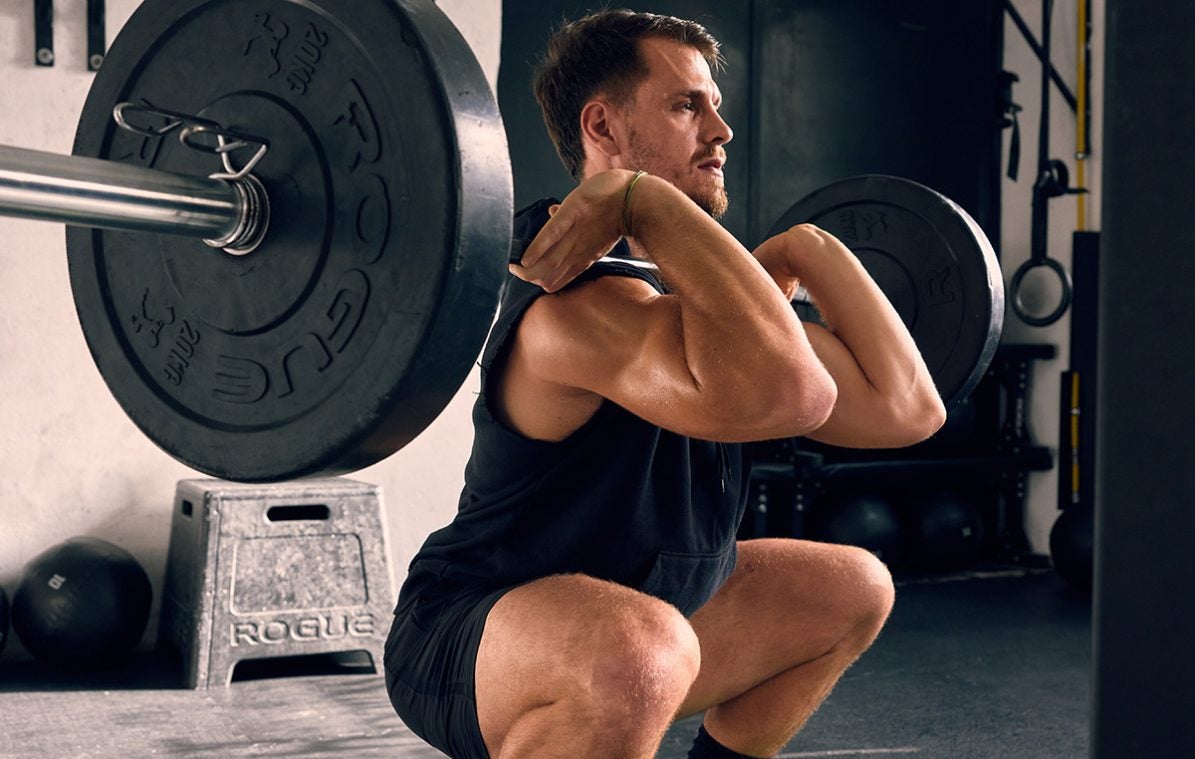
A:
x,y
935,417
805,404
919,420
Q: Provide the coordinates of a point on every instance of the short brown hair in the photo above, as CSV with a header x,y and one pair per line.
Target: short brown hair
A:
x,y
600,54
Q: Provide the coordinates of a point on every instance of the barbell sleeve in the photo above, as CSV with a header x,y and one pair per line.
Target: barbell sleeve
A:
x,y
91,192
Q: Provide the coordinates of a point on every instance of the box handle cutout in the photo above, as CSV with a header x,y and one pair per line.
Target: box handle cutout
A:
x,y
303,513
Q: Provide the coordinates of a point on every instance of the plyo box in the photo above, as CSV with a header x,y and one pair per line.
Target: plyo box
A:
x,y
289,569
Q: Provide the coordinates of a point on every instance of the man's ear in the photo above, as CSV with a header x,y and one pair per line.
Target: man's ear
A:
x,y
601,128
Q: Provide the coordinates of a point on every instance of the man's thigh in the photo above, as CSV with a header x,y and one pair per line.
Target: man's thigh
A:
x,y
786,603
550,639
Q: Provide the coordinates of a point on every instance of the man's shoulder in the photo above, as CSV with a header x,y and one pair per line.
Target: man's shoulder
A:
x,y
596,298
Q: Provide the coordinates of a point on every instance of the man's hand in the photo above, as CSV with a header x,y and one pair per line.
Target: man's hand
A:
x,y
581,230
772,255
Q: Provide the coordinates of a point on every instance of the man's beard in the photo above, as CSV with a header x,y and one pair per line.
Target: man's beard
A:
x,y
712,200
715,204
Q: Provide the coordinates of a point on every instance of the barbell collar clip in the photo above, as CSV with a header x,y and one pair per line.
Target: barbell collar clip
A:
x,y
251,227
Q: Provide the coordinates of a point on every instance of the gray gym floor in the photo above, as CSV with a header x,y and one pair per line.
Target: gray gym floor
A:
x,y
988,666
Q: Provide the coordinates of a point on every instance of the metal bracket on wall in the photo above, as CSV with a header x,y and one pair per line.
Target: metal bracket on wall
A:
x,y
1067,95
95,34
43,32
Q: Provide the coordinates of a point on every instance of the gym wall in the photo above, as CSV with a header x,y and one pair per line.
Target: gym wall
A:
x,y
71,462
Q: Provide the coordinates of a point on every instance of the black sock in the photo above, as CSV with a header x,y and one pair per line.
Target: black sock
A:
x,y
705,747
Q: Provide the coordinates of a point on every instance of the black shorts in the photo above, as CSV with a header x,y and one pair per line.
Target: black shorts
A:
x,y
430,660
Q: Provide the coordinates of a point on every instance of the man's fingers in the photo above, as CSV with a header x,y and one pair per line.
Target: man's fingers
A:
x,y
551,234
550,271
563,249
519,272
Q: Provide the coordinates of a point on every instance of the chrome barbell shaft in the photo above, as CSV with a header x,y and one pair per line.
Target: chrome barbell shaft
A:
x,y
91,192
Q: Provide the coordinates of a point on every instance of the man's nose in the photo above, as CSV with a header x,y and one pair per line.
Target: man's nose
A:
x,y
719,132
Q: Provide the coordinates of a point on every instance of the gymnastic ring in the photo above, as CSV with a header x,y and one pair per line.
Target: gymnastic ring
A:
x,y
1064,302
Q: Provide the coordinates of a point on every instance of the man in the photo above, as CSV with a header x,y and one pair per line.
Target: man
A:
x,y
590,590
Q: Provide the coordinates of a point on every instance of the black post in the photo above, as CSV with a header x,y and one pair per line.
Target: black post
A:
x,y
1144,683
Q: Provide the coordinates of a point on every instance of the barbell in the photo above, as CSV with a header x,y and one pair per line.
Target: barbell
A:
x,y
288,224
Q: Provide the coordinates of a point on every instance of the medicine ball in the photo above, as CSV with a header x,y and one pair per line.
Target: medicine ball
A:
x,y
3,619
1072,546
866,520
83,603
945,529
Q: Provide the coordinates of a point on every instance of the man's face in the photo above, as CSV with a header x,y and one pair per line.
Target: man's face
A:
x,y
673,127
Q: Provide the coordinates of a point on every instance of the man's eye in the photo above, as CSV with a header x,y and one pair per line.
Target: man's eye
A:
x,y
689,106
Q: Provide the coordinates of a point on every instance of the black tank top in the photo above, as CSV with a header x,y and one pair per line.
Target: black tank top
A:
x,y
620,499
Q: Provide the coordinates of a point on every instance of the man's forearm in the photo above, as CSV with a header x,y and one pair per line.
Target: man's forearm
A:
x,y
860,317
740,333
859,314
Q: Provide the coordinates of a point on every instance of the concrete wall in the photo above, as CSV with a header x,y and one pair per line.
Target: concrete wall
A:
x,y
71,463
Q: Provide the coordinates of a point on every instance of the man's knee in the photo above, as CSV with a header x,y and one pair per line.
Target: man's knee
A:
x,y
870,590
643,656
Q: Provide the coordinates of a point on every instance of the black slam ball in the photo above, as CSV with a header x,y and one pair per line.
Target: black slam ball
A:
x,y
1072,546
3,619
866,520
83,603
947,530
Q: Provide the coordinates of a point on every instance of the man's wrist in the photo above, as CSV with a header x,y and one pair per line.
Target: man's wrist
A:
x,y
811,256
627,225
647,205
